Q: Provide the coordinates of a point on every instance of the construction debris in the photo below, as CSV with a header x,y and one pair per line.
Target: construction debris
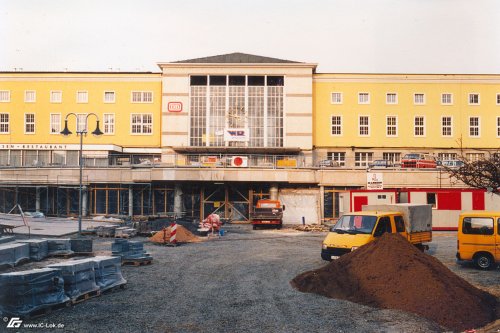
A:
x,y
312,227
106,230
183,235
125,232
391,273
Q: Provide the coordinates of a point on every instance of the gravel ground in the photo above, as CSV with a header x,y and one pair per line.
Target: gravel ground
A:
x,y
240,283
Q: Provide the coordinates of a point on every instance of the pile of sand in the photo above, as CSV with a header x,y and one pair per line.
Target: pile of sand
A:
x,y
182,235
392,273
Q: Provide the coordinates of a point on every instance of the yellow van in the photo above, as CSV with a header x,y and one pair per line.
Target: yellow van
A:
x,y
479,238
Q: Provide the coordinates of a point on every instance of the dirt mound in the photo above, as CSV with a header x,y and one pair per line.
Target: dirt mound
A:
x,y
182,235
392,273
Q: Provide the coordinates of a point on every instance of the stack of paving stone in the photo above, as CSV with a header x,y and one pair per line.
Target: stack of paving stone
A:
x,y
25,292
59,246
79,278
129,250
11,254
108,272
39,248
81,245
7,239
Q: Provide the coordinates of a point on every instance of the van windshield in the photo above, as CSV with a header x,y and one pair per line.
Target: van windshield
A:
x,y
355,224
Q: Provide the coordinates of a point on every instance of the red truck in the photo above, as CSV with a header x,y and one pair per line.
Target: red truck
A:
x,y
267,212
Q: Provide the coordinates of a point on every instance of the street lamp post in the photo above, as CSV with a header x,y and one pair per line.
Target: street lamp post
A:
x,y
81,132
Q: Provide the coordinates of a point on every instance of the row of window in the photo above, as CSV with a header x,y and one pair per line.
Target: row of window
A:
x,y
362,159
418,98
419,126
140,123
81,96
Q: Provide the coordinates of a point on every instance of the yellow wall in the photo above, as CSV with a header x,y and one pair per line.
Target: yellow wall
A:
x,y
69,83
405,86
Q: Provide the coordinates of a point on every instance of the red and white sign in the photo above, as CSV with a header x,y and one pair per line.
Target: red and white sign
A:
x,y
174,106
239,161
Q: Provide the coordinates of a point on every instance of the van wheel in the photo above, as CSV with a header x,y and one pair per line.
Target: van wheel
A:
x,y
483,261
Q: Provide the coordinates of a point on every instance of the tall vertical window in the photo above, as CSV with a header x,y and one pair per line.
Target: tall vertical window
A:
x,y
474,156
446,99
141,123
498,99
474,99
362,159
446,126
109,97
393,157
56,96
419,98
363,98
364,125
391,98
391,126
338,157
81,122
29,123
82,97
4,123
142,97
29,96
447,156
498,127
474,130
419,126
4,96
55,123
221,105
336,98
109,123
337,125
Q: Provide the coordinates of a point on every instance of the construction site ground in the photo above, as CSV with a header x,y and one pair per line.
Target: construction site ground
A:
x,y
240,283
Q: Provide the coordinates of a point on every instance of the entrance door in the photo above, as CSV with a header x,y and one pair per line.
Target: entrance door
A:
x,y
359,201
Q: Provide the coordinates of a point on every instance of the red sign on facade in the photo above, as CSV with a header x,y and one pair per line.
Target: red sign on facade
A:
x,y
174,106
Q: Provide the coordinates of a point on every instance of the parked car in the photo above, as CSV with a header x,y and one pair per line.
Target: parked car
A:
x,y
328,163
377,164
418,160
451,164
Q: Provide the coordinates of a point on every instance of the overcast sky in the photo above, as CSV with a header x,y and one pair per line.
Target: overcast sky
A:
x,y
342,36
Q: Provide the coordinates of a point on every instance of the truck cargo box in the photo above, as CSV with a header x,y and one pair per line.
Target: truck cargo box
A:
x,y
417,217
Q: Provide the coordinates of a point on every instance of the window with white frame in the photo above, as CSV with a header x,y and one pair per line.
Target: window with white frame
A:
x,y
498,127
29,123
82,97
363,98
364,125
446,126
55,123
4,96
141,123
447,156
419,126
337,125
474,99
109,97
29,96
419,98
81,122
336,98
56,96
4,123
391,126
109,123
391,98
446,99
393,157
472,157
474,130
142,97
361,159
338,157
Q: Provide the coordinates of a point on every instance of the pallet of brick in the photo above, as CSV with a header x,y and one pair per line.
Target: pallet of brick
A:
x,y
13,254
108,272
79,279
31,293
59,246
39,248
7,239
106,230
129,250
82,245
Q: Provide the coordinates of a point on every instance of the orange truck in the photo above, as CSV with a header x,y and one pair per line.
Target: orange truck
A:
x,y
267,213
